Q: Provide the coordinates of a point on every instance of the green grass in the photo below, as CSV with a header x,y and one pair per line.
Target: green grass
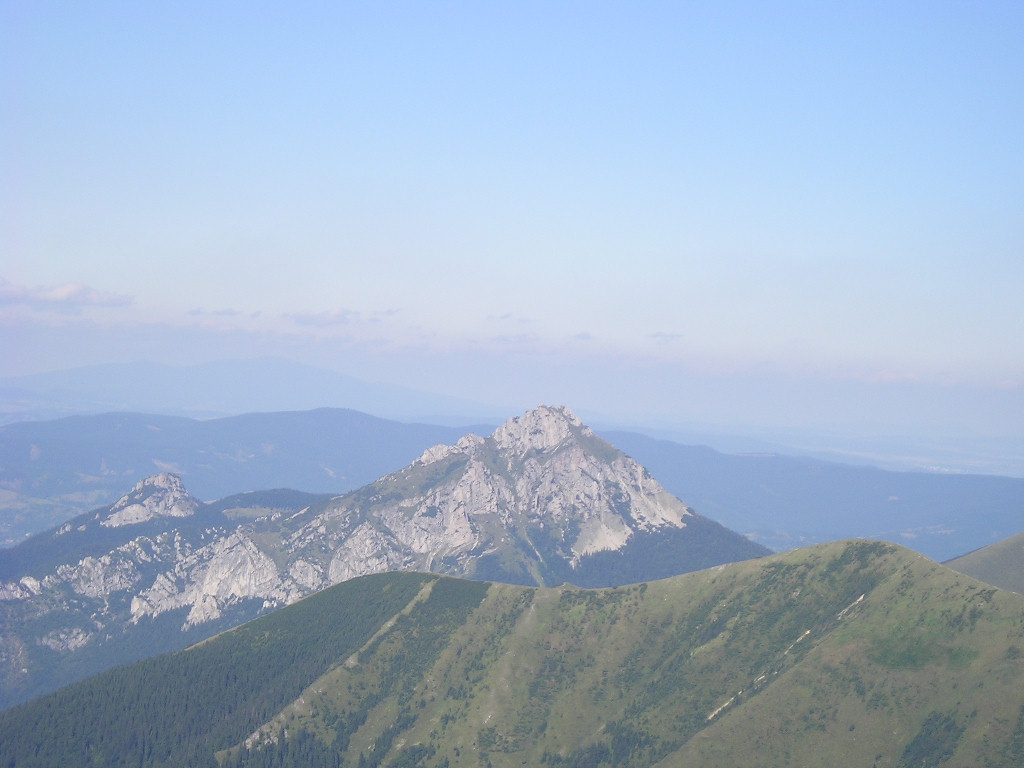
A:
x,y
1000,564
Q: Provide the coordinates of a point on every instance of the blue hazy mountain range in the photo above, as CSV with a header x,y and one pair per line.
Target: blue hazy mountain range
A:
x,y
53,470
234,387
223,388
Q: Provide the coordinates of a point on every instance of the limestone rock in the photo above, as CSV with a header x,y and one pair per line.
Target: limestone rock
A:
x,y
544,473
162,495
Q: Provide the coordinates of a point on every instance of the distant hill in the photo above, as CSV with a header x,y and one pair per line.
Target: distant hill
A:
x,y
541,501
785,501
1000,564
51,471
213,390
852,653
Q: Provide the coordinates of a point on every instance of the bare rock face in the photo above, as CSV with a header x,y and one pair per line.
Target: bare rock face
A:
x,y
66,639
162,495
221,574
541,430
542,475
100,576
22,589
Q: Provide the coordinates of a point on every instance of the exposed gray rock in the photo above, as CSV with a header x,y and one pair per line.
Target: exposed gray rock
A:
x,y
162,495
102,576
544,472
22,589
66,640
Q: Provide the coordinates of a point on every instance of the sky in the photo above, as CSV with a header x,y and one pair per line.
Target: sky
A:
x,y
717,212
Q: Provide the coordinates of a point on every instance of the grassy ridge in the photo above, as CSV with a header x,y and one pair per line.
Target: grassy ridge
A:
x,y
853,653
926,670
1000,564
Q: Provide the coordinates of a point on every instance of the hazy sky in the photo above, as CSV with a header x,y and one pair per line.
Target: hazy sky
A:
x,y
679,208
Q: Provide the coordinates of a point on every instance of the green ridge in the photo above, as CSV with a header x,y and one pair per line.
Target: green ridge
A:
x,y
1000,564
852,653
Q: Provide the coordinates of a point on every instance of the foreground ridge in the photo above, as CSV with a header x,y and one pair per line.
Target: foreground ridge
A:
x,y
857,652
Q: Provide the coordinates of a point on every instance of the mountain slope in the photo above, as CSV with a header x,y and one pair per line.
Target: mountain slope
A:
x,y
66,596
853,653
541,501
1000,564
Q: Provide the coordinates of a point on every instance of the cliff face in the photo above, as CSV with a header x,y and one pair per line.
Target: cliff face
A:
x,y
540,501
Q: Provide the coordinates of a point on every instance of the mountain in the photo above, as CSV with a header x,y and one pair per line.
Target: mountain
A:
x,y
66,596
851,653
788,501
51,471
1000,564
541,501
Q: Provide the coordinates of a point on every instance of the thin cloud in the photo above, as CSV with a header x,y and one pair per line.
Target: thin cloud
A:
x,y
517,339
663,337
324,319
219,313
66,297
509,317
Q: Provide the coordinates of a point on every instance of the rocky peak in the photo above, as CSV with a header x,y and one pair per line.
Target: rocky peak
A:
x,y
161,495
542,430
544,472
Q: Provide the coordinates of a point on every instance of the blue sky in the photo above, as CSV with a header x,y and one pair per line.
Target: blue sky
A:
x,y
772,212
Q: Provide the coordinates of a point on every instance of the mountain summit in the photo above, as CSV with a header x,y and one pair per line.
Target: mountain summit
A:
x,y
162,495
541,501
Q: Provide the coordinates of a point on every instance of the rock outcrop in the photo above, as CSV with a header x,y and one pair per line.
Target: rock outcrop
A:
x,y
162,495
